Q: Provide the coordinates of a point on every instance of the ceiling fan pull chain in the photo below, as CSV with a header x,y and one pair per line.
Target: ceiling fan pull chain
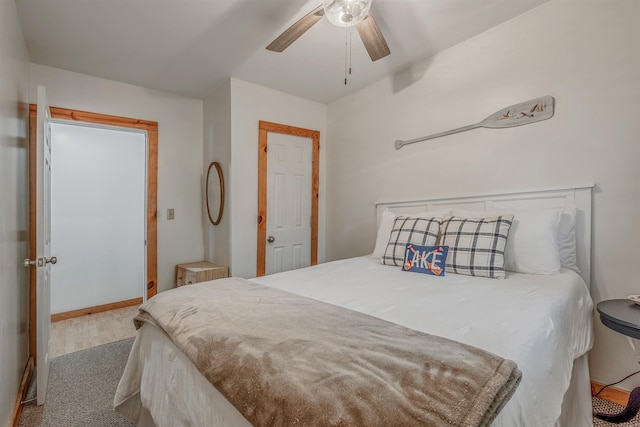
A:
x,y
347,54
350,44
346,51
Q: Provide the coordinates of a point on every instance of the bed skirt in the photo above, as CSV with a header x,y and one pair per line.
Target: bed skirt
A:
x,y
197,402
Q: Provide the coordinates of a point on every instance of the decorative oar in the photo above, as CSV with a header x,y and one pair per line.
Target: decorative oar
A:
x,y
531,111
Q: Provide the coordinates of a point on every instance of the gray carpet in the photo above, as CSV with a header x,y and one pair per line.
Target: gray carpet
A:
x,y
81,389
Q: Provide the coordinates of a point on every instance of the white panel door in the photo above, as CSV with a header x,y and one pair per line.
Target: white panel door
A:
x,y
289,173
43,259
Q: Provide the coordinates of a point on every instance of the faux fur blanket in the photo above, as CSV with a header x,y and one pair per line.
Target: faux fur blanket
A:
x,y
283,359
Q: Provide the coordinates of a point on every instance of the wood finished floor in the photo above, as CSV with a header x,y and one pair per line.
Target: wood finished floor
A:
x,y
79,333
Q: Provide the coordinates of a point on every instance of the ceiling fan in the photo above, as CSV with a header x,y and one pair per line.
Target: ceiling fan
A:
x,y
342,13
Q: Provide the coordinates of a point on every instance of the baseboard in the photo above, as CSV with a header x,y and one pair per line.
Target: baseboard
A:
x,y
22,392
612,394
97,309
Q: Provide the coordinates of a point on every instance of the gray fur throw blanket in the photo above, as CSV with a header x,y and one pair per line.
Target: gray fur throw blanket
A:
x,y
282,360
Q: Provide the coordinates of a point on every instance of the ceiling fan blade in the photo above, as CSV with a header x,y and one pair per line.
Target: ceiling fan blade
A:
x,y
292,33
372,38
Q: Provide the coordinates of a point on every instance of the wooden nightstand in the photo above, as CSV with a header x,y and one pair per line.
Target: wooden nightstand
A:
x,y
195,272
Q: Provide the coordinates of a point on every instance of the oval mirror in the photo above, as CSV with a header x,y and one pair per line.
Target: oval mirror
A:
x,y
215,193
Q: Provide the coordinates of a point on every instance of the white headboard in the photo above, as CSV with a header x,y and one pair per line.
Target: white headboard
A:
x,y
580,197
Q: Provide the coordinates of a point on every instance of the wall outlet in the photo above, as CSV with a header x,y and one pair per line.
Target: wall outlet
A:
x,y
170,213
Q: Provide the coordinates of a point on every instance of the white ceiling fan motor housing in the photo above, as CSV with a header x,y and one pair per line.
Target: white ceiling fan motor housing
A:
x,y
346,13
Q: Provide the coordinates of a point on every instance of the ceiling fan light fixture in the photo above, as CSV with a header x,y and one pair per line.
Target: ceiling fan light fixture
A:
x,y
346,13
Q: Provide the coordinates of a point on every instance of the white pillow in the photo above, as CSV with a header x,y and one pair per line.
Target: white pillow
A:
x,y
532,246
384,231
567,239
386,224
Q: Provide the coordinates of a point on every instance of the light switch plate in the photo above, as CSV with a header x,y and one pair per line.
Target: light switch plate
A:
x,y
170,213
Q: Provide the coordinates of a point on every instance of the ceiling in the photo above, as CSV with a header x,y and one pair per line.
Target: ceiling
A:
x,y
190,47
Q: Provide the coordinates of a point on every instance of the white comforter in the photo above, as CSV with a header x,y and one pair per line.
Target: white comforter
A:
x,y
543,323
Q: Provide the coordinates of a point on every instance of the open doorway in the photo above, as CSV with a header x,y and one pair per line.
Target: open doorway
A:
x,y
148,285
97,216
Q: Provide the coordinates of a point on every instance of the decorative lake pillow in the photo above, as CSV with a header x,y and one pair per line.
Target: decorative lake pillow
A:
x,y
425,259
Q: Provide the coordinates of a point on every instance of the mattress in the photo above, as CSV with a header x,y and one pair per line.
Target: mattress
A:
x,y
543,323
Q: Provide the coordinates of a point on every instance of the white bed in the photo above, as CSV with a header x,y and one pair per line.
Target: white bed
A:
x,y
543,322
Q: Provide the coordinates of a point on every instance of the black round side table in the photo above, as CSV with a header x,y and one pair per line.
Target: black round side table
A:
x,y
623,316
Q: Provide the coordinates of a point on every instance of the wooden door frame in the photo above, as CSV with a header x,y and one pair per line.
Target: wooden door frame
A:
x,y
152,200
264,128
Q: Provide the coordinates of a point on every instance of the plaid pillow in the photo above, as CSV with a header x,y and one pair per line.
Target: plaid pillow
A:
x,y
418,231
476,245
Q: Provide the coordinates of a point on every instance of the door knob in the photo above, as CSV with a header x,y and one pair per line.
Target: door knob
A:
x,y
271,239
51,260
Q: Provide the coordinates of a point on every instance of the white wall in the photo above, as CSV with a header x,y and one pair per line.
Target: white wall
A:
x,y
231,116
14,206
585,54
180,148
98,212
251,103
217,147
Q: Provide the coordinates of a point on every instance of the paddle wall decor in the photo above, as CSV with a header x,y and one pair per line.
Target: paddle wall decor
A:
x,y
534,110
